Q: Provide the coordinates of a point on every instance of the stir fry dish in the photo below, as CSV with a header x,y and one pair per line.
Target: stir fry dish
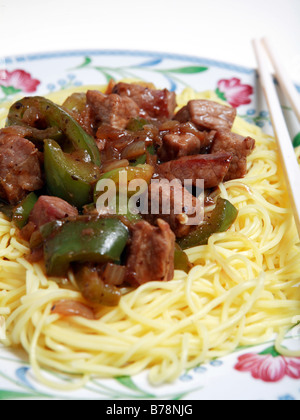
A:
x,y
52,158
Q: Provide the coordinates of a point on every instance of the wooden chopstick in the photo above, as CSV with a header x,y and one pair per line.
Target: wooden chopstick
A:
x,y
282,75
287,153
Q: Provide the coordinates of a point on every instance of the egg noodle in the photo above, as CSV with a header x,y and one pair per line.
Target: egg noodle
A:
x,y
242,291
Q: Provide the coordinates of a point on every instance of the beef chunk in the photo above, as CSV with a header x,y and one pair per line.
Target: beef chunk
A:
x,y
112,109
176,145
184,140
174,204
151,253
48,209
16,130
153,102
87,120
211,168
239,147
207,115
20,169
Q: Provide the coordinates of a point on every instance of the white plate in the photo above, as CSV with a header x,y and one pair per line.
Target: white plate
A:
x,y
269,376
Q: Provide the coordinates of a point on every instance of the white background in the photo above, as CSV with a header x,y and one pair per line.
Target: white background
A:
x,y
218,29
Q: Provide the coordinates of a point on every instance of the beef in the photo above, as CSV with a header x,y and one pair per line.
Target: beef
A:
x,y
112,109
207,115
154,103
33,117
176,145
151,253
184,140
16,130
211,168
239,147
87,120
48,209
20,167
32,133
173,203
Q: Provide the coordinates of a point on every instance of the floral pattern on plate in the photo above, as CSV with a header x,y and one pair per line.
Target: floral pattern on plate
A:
x,y
235,92
16,81
269,365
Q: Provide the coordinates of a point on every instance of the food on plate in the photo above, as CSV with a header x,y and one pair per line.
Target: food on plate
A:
x,y
53,156
117,288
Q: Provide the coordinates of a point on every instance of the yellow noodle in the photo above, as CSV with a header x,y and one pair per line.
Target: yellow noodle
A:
x,y
243,290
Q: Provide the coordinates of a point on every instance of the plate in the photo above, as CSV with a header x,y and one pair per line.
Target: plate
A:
x,y
252,373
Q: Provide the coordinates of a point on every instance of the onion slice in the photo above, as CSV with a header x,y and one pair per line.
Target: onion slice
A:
x,y
134,150
72,308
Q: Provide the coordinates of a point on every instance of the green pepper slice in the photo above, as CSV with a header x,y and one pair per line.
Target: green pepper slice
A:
x,y
93,289
56,116
22,211
141,160
128,218
136,124
140,172
221,219
86,239
75,102
181,261
67,177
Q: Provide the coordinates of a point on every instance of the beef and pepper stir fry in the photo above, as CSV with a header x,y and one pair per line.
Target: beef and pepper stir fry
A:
x,y
51,158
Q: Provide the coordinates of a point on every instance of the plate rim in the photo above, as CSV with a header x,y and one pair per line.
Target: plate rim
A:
x,y
44,55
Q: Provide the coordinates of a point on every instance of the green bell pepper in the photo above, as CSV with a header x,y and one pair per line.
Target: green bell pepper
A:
x,y
67,177
127,218
86,239
136,124
93,289
221,219
141,160
75,102
22,211
181,261
142,172
56,116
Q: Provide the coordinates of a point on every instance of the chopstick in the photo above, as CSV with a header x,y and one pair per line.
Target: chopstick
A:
x,y
286,150
285,81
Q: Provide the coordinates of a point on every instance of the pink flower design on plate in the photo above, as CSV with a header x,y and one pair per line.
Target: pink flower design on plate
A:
x,y
17,81
234,92
269,367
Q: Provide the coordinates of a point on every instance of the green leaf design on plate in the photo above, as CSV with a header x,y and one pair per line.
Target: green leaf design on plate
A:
x,y
10,90
187,70
270,350
128,383
10,395
296,141
179,397
107,76
220,94
86,62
